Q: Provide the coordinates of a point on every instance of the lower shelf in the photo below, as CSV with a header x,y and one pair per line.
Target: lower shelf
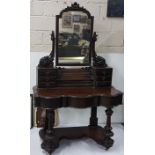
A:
x,y
52,138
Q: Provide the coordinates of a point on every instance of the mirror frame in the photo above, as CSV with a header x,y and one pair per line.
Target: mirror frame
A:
x,y
74,7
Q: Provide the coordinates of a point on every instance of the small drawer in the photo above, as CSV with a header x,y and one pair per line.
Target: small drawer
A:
x,y
47,72
106,72
103,83
46,84
103,78
46,78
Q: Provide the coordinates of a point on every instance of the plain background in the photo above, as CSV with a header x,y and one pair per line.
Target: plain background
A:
x,y
15,77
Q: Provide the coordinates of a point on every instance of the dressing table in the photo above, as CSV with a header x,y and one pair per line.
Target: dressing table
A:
x,y
74,76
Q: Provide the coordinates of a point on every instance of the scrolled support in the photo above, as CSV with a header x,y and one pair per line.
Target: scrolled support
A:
x,y
98,61
53,44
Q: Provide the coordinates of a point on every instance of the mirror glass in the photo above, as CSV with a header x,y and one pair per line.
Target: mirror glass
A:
x,y
74,38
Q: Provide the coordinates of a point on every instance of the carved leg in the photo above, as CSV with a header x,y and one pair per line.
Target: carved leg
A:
x,y
108,142
49,144
93,118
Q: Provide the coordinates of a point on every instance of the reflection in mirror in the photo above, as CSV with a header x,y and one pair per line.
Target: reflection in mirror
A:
x,y
74,38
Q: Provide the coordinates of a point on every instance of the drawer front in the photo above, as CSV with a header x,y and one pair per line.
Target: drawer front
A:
x,y
46,84
47,77
103,77
103,72
47,72
103,84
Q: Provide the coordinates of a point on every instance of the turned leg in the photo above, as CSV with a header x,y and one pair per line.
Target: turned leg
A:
x,y
109,112
49,144
108,142
93,118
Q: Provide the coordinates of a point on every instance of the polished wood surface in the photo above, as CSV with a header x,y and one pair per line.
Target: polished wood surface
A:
x,y
78,97
96,133
51,77
52,136
76,91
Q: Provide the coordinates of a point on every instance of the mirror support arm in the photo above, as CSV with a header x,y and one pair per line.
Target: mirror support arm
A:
x,y
94,39
97,60
53,44
47,61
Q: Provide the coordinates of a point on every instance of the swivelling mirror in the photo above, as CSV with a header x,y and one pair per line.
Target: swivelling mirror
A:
x,y
73,37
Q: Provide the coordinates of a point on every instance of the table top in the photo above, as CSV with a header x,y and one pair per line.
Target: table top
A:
x,y
76,91
79,97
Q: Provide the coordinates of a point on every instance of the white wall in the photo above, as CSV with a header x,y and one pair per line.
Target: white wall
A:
x,y
81,116
110,30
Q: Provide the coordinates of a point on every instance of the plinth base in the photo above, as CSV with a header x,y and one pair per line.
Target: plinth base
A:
x,y
51,139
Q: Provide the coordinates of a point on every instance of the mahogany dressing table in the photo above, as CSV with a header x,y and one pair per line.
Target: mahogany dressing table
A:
x,y
74,76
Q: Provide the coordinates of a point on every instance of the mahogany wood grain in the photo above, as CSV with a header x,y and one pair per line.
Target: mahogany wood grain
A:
x,y
79,97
